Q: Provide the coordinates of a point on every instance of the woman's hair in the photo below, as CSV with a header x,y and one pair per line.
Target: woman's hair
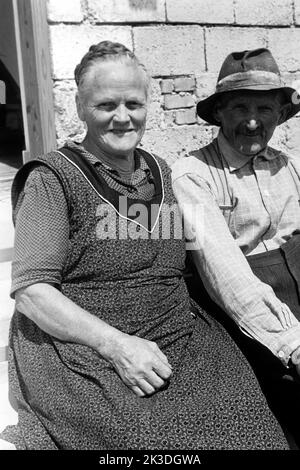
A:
x,y
104,51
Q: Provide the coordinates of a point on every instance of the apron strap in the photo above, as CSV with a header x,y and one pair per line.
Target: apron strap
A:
x,y
295,175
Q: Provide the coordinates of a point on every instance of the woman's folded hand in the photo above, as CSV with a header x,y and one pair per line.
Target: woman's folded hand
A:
x,y
140,363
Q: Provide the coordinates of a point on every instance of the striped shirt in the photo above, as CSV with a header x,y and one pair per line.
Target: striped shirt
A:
x,y
246,206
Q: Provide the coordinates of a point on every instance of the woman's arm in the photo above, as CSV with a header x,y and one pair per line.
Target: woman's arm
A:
x,y
139,362
41,249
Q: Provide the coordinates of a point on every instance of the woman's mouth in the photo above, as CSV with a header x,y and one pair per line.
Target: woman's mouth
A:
x,y
121,131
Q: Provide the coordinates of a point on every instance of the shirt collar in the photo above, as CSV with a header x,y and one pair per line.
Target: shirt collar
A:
x,y
235,159
87,155
140,162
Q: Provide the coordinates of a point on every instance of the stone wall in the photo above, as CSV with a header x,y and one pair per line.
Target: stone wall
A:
x,y
182,43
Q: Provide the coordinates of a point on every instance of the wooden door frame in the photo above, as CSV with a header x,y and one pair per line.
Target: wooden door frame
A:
x,y
36,86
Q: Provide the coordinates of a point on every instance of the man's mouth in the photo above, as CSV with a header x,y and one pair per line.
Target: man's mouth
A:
x,y
252,134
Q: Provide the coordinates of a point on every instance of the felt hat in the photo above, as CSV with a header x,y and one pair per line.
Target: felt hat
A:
x,y
248,70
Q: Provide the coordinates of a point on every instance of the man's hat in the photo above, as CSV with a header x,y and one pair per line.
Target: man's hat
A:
x,y
248,70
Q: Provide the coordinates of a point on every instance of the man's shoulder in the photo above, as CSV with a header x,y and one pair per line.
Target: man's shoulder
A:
x,y
294,161
277,152
289,158
196,162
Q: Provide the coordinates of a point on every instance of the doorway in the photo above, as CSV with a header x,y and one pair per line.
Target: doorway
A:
x,y
27,125
11,119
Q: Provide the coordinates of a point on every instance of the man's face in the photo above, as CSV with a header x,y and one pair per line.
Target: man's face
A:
x,y
248,119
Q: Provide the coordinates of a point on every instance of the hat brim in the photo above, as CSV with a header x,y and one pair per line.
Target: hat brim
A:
x,y
205,108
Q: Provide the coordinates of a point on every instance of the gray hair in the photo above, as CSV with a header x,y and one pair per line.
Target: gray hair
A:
x,y
105,51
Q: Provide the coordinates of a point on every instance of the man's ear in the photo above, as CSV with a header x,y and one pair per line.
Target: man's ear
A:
x,y
216,112
284,111
80,110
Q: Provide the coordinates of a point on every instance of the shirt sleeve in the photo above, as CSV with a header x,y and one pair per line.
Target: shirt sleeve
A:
x,y
41,231
226,274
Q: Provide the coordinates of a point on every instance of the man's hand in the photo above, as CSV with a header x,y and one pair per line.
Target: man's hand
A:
x,y
140,364
295,357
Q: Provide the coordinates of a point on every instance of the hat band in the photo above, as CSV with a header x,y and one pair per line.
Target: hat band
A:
x,y
252,79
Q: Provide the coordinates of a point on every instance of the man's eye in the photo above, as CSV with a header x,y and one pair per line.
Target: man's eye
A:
x,y
265,109
240,108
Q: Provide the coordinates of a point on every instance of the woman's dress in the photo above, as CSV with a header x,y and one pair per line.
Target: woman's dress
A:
x,y
71,398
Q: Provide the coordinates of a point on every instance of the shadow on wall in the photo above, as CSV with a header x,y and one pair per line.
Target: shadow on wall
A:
x,y
143,4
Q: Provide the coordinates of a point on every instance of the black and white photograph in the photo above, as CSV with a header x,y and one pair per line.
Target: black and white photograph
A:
x,y
150,230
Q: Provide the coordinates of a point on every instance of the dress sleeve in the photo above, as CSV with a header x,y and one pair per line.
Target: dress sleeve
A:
x,y
41,231
226,274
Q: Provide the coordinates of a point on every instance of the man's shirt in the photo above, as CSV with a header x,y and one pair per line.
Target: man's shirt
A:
x,y
246,206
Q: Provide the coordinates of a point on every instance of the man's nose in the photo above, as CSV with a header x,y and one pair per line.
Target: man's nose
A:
x,y
121,114
252,124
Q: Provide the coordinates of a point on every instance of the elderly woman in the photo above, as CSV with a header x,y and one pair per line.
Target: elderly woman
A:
x,y
106,349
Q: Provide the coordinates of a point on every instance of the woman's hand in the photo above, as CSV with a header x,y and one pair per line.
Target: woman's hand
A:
x,y
140,364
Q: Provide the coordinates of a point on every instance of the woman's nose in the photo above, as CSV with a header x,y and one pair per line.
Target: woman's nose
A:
x,y
121,114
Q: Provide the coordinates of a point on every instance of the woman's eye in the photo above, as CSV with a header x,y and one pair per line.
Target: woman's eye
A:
x,y
133,105
106,106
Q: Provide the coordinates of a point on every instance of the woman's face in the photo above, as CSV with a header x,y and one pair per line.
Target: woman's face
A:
x,y
112,101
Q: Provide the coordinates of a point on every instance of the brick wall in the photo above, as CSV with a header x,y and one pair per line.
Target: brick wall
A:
x,y
182,43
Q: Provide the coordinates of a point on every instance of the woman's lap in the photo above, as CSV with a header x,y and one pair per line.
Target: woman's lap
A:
x,y
213,401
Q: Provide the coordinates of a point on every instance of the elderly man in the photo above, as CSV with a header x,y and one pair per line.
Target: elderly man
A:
x,y
246,232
